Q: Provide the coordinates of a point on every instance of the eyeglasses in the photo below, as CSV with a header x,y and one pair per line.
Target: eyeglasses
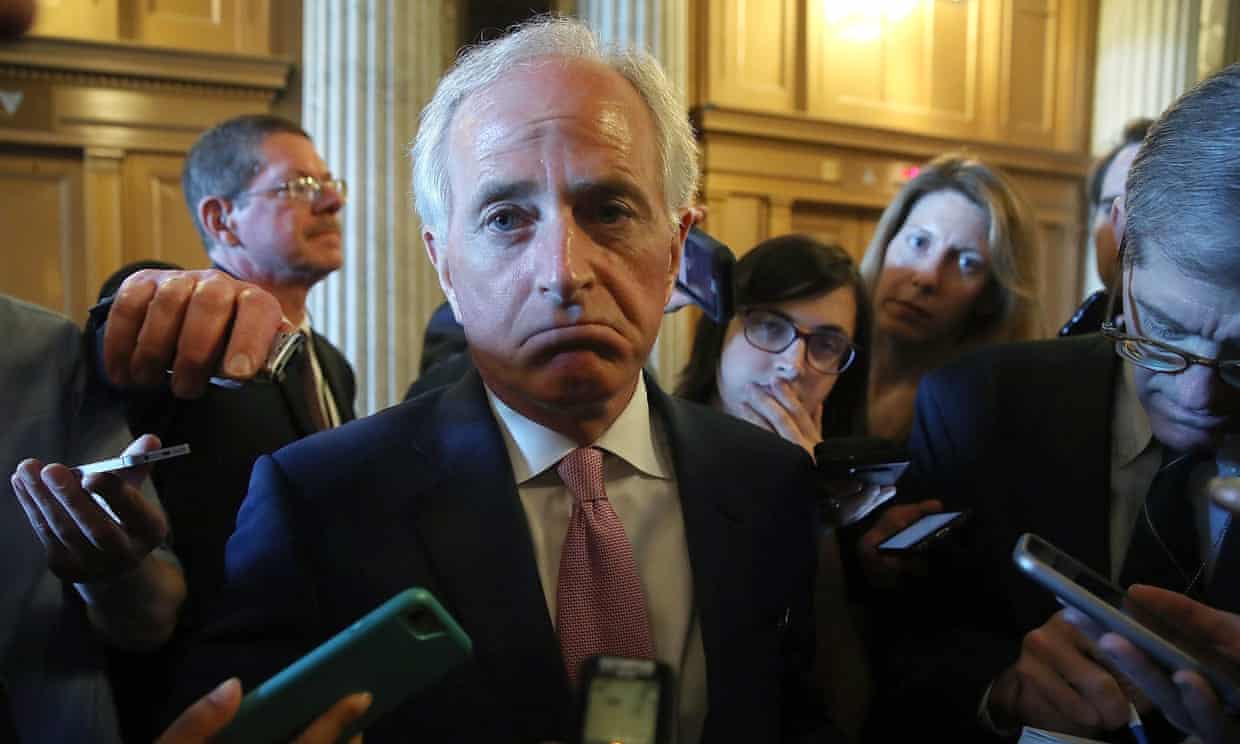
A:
x,y
829,352
1157,356
306,188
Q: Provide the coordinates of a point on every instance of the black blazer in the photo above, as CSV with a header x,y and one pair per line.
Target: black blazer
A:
x,y
423,494
1020,434
227,430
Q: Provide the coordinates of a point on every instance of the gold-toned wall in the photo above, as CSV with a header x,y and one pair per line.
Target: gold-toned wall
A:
x,y
98,106
812,111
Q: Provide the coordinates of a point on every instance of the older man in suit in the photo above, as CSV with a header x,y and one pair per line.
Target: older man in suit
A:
x,y
557,502
1105,455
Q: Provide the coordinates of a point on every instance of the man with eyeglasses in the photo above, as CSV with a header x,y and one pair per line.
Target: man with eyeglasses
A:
x,y
1103,445
267,208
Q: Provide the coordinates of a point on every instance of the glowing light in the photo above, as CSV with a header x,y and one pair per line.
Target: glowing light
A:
x,y
862,20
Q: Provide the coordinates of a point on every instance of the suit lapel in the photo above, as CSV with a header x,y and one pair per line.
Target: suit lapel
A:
x,y
709,521
478,545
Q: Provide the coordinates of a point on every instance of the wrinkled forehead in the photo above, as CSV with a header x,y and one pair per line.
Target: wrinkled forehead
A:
x,y
1184,298
586,93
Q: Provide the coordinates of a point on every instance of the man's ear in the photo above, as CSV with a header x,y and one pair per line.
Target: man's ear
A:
x,y
1119,221
215,216
438,259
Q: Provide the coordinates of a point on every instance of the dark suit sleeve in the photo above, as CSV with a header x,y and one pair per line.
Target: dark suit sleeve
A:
x,y
937,643
267,613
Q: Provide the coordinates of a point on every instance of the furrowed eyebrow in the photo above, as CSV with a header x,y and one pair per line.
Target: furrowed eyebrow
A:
x,y
494,191
1159,319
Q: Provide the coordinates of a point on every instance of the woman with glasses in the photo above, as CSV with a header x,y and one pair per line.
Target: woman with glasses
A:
x,y
951,267
798,336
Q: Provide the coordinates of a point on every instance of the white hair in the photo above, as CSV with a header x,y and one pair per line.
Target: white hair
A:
x,y
482,65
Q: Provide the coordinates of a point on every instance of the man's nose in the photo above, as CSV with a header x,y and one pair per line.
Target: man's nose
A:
x,y
328,200
563,259
1199,388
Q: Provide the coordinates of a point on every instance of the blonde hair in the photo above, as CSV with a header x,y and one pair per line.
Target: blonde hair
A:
x,y
1012,236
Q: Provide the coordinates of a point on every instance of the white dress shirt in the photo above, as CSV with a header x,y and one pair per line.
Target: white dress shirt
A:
x,y
641,486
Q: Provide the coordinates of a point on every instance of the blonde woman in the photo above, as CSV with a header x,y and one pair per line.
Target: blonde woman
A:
x,y
951,267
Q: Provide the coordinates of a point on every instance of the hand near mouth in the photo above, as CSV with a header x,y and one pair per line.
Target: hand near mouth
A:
x,y
779,409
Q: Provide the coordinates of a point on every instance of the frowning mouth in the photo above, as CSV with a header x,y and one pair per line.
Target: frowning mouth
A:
x,y
910,309
599,338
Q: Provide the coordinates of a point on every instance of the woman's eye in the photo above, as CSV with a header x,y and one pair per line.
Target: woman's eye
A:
x,y
918,240
971,264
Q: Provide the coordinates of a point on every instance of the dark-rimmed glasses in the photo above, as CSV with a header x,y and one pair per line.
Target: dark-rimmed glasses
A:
x,y
306,188
1157,356
829,352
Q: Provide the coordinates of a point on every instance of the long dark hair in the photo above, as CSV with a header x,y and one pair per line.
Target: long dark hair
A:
x,y
782,269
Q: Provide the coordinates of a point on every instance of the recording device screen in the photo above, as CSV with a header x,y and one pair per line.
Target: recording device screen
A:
x,y
621,710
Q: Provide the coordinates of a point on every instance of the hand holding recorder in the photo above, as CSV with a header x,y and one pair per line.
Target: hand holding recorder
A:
x,y
195,323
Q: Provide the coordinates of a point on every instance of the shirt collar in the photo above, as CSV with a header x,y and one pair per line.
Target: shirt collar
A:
x,y
1133,434
533,448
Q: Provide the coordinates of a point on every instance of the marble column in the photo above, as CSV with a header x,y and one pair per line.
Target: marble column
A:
x,y
369,67
1147,56
662,28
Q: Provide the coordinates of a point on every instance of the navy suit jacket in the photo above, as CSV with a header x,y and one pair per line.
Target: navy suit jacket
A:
x,y
423,494
1021,435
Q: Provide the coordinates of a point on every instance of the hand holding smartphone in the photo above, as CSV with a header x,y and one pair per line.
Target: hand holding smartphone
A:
x,y
1079,587
401,647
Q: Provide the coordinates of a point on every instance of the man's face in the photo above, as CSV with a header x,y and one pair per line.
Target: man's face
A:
x,y
1194,408
559,254
282,239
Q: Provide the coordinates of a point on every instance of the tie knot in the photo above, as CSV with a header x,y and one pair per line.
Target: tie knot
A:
x,y
582,471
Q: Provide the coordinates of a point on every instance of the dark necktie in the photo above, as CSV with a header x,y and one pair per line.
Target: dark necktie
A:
x,y
310,387
1164,550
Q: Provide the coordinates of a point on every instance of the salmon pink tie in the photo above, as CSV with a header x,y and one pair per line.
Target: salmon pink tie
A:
x,y
600,607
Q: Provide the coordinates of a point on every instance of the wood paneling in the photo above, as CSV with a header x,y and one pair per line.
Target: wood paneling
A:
x,y
753,48
216,25
157,220
77,19
917,71
848,227
40,207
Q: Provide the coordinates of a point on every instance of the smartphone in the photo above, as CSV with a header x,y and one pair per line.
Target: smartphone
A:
x,y
706,275
403,646
871,460
924,532
1080,587
625,700
132,461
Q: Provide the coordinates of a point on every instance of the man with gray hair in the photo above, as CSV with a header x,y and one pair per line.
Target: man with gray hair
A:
x,y
556,502
1102,445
